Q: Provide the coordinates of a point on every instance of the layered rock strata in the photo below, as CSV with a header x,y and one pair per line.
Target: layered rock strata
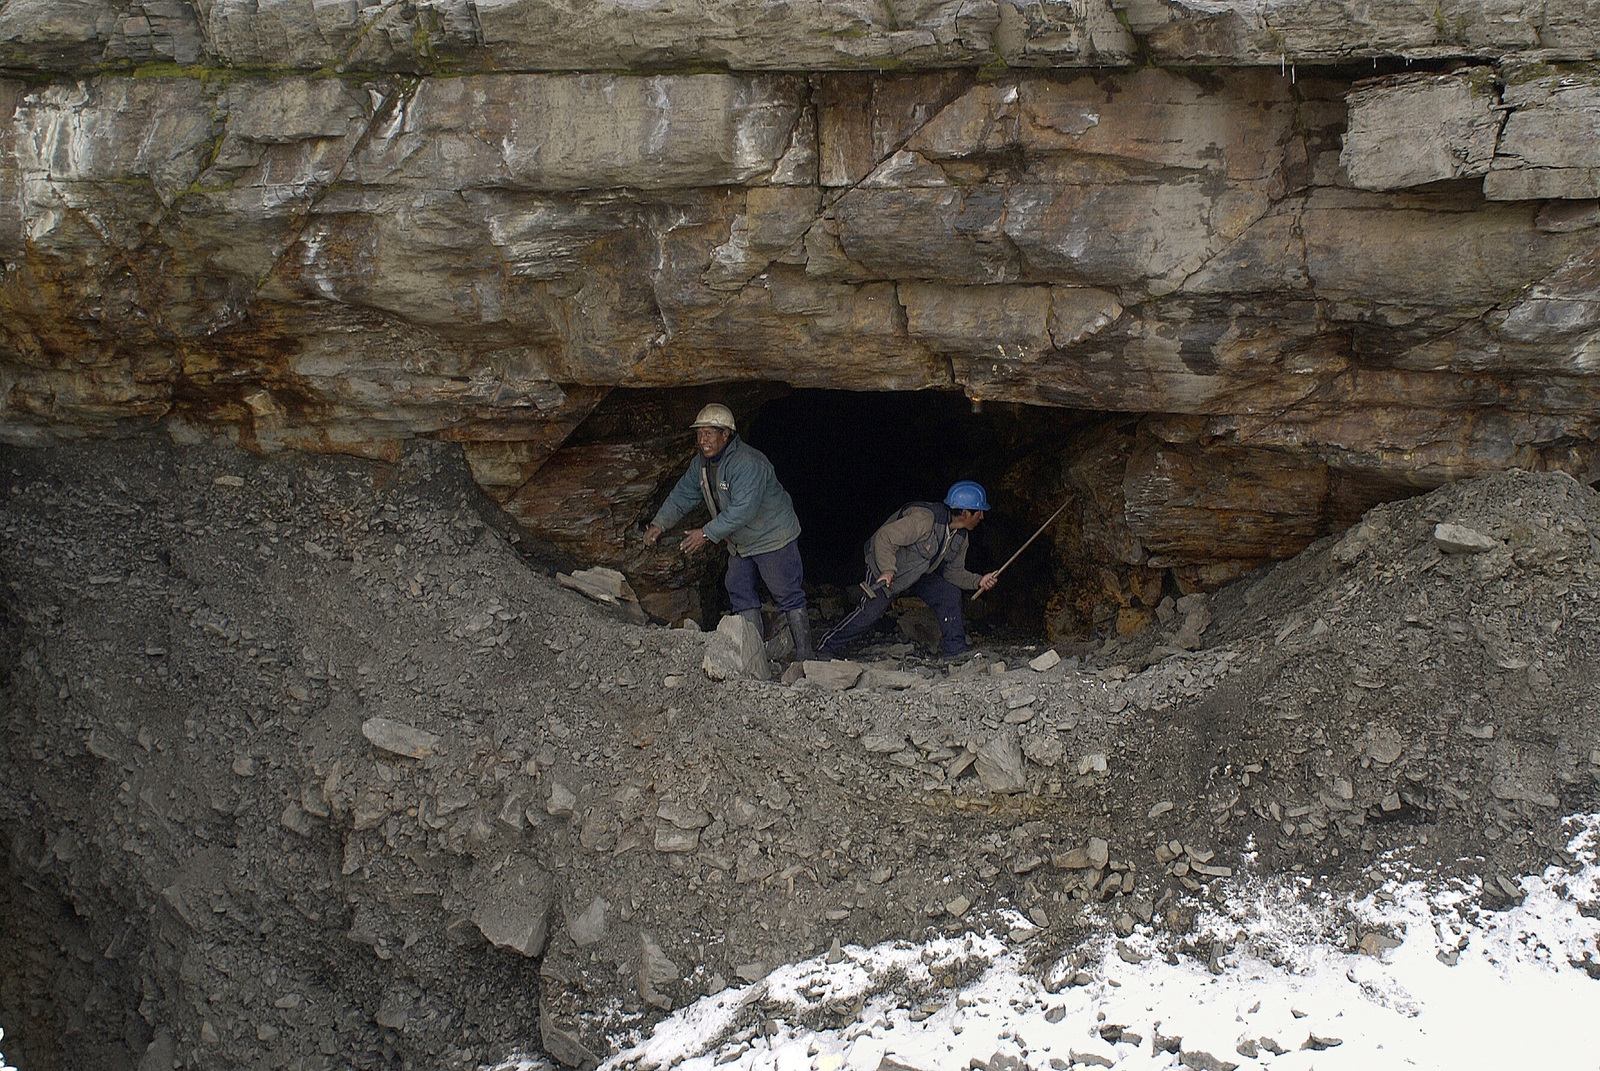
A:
x,y
1323,290
538,35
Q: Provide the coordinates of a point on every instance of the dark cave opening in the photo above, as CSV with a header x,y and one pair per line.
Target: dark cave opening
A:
x,y
850,459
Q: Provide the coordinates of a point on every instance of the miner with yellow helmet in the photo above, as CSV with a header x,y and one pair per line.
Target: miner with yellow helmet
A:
x,y
751,514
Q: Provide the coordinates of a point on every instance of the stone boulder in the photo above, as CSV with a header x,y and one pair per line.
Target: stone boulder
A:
x,y
511,900
736,651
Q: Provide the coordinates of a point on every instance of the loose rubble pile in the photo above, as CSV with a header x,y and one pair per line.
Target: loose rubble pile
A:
x,y
308,765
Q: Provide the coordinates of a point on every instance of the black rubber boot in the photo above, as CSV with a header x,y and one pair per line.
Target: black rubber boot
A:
x,y
800,630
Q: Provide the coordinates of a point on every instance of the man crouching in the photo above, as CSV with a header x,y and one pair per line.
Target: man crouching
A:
x,y
922,551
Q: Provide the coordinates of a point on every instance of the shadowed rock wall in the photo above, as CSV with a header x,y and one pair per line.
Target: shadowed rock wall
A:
x,y
334,228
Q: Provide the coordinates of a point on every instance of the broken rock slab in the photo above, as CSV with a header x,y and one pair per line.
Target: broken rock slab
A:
x,y
1548,148
882,741
398,738
1200,1060
1000,765
590,926
607,586
836,676
1457,539
512,903
1411,130
655,969
736,651
599,583
1197,618
563,1044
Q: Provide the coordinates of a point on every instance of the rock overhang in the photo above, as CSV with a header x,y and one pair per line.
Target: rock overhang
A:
x,y
1306,278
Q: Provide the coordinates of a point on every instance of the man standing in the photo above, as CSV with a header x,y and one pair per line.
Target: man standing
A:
x,y
921,550
751,513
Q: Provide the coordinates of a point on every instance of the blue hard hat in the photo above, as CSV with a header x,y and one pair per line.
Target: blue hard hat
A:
x,y
967,494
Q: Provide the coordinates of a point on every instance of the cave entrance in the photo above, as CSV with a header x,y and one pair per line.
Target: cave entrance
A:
x,y
850,459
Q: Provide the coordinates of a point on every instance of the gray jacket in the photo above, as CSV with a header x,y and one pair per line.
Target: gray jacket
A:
x,y
750,510
917,541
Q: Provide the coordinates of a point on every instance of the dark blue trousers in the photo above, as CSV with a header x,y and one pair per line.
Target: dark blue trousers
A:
x,y
782,571
943,597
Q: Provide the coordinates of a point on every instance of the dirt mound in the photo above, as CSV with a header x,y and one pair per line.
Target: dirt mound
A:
x,y
1425,685
307,766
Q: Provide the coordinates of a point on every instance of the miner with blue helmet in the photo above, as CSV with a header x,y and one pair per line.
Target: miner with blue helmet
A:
x,y
921,551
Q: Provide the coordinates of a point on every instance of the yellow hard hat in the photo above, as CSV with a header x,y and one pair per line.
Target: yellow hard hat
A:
x,y
715,416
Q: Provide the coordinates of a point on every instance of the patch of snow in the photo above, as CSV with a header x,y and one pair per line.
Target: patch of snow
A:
x,y
1516,995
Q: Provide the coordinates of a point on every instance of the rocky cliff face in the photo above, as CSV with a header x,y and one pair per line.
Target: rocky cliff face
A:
x,y
1319,274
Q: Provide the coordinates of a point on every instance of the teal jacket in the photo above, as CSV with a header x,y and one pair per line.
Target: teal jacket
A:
x,y
751,512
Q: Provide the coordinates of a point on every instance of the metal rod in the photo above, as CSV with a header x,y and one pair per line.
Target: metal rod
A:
x,y
978,595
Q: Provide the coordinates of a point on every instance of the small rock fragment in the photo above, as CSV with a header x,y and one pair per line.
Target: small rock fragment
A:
x,y
294,819
397,738
512,904
1384,746
834,676
561,802
393,1011
1457,539
599,583
1045,749
1071,859
655,969
562,1043
590,926
884,742
671,839
1000,765
1048,660
1099,853
1201,1060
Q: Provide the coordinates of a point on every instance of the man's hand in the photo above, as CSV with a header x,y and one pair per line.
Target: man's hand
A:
x,y
885,579
988,580
651,534
693,540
